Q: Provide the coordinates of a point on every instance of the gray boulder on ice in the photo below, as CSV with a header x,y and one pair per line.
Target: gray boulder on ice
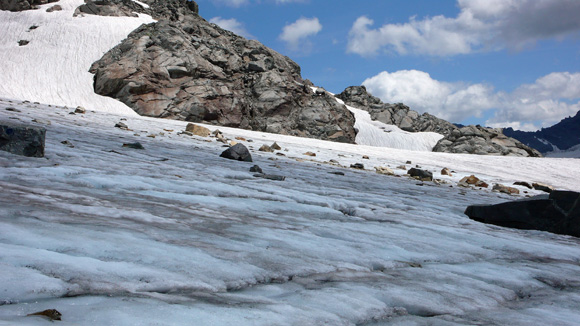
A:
x,y
185,68
22,139
559,213
238,152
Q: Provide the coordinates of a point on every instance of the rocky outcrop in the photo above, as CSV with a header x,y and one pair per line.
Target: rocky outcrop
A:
x,y
22,140
118,8
483,141
19,5
185,68
559,213
398,114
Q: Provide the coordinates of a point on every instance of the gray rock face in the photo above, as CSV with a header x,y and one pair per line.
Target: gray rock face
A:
x,y
398,114
560,213
22,140
19,5
185,68
483,141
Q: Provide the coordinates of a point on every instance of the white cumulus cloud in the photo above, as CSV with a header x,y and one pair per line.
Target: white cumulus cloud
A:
x,y
481,25
450,101
545,102
296,35
232,25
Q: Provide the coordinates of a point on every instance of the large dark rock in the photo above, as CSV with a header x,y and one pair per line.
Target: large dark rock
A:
x,y
397,114
483,141
559,213
238,152
22,140
421,174
19,5
185,68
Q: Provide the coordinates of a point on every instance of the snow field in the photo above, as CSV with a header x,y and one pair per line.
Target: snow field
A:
x,y
53,67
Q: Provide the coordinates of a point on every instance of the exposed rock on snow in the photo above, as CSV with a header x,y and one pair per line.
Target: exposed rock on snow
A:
x,y
542,187
421,174
523,184
394,114
505,189
188,69
22,140
483,141
117,8
237,152
197,130
472,180
19,5
560,213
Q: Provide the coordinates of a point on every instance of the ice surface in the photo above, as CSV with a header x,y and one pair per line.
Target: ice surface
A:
x,y
176,235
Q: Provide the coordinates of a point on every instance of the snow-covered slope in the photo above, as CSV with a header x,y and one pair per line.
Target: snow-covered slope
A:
x,y
53,67
175,235
378,134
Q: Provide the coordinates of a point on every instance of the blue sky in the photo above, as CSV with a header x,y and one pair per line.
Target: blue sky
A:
x,y
491,62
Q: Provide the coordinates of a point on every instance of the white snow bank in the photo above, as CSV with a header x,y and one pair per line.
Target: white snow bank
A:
x,y
53,67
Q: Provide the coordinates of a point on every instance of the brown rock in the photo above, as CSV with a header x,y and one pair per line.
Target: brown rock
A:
x,y
505,189
266,148
384,170
276,147
198,130
310,154
446,171
543,187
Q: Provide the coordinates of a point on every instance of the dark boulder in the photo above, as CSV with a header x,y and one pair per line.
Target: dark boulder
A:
x,y
559,213
237,152
22,140
421,174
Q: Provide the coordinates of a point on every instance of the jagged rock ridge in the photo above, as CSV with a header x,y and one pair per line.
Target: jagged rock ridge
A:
x,y
564,135
183,67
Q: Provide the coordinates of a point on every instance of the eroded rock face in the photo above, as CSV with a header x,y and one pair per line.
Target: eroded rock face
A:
x,y
483,141
185,68
398,114
19,5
